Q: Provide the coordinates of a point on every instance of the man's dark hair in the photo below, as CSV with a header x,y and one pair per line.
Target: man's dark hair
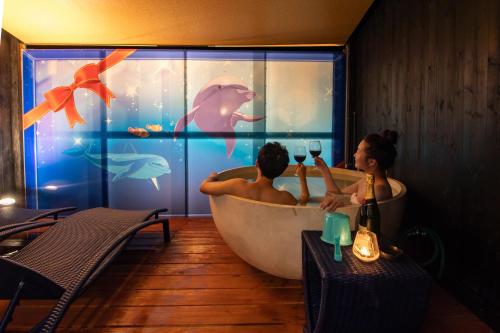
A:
x,y
273,159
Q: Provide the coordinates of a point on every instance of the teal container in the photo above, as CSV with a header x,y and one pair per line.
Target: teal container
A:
x,y
336,224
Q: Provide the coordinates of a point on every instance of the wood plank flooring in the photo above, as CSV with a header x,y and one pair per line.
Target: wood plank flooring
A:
x,y
196,284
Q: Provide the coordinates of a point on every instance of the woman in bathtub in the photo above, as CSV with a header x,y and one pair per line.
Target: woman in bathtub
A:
x,y
272,161
375,154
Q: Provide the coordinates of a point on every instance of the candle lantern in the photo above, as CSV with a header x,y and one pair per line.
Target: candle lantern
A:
x,y
365,245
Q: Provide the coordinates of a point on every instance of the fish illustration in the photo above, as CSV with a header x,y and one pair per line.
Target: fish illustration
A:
x,y
138,131
127,165
154,128
215,108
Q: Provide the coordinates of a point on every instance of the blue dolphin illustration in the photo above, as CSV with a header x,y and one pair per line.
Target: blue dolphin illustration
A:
x,y
136,166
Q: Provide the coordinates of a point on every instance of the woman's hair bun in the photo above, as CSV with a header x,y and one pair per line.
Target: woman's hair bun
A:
x,y
391,136
382,148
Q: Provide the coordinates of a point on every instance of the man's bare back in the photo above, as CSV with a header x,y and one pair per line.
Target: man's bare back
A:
x,y
271,163
262,192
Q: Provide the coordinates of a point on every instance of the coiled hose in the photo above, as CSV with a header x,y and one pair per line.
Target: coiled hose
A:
x,y
438,253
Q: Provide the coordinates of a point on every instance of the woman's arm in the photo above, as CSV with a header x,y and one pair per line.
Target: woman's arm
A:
x,y
353,188
330,183
301,171
327,176
330,203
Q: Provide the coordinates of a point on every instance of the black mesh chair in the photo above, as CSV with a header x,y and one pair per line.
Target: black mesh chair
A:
x,y
14,217
65,259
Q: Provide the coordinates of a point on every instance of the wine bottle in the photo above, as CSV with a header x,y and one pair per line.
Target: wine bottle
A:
x,y
362,216
372,213
365,245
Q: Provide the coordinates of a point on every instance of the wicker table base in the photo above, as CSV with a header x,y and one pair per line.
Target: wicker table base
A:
x,y
353,296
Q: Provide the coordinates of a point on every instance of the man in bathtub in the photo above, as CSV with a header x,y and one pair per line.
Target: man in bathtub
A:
x,y
272,161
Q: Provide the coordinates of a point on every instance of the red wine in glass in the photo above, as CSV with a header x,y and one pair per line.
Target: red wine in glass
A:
x,y
299,154
299,158
315,153
315,148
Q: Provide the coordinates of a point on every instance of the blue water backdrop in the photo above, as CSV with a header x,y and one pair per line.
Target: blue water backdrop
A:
x,y
126,156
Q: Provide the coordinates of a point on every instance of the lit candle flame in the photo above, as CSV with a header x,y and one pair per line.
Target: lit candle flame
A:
x,y
365,251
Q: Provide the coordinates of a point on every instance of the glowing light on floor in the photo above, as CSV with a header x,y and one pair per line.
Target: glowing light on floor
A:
x,y
7,201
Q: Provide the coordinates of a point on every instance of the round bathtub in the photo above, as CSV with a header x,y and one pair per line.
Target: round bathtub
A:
x,y
268,236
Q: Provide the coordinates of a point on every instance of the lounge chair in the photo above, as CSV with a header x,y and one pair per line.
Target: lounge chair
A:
x,y
14,217
65,259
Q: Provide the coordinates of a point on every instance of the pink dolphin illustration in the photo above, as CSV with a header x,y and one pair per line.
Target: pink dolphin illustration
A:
x,y
215,108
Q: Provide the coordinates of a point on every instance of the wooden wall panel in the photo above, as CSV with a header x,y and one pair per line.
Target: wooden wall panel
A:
x,y
430,70
11,156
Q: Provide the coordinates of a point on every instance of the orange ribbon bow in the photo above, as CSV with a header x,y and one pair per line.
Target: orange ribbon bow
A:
x,y
62,97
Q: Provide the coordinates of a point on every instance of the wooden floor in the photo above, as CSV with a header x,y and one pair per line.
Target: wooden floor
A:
x,y
196,284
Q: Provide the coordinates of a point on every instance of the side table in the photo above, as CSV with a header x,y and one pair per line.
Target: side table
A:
x,y
353,296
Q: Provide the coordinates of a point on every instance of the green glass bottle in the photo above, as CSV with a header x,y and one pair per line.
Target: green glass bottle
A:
x,y
370,206
362,216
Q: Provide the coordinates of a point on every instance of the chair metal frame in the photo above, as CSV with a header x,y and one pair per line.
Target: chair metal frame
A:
x,y
49,284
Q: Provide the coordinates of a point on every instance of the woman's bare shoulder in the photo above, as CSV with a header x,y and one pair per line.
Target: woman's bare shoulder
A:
x,y
383,192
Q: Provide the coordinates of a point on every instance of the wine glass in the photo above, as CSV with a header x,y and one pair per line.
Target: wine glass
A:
x,y
299,154
315,149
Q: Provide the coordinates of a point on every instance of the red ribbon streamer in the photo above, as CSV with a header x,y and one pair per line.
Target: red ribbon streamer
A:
x,y
62,97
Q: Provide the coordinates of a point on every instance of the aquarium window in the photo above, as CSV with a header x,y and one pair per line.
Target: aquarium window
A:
x,y
140,129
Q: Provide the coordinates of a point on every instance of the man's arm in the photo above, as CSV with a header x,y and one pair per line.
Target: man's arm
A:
x,y
304,190
211,186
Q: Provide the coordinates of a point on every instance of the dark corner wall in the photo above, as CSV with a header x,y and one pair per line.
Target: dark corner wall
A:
x,y
430,70
11,156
